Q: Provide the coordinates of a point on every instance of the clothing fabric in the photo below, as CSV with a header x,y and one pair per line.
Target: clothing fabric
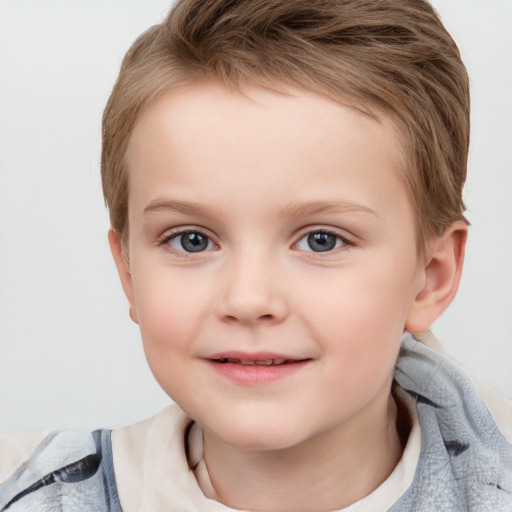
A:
x,y
68,471
464,464
380,499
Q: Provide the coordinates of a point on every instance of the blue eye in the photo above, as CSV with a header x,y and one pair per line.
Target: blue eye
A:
x,y
320,241
191,241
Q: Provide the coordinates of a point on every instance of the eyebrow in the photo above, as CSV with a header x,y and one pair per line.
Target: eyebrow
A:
x,y
291,210
298,209
186,207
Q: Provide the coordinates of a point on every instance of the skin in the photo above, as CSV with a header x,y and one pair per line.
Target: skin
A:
x,y
255,174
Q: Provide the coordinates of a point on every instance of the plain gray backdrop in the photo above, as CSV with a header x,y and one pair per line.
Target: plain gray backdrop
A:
x,y
69,354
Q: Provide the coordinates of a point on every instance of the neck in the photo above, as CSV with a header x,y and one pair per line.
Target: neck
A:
x,y
329,471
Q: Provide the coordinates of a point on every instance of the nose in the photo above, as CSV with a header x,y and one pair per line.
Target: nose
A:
x,y
252,290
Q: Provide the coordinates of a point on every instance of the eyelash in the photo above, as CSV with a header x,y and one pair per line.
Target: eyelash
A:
x,y
341,241
175,235
344,241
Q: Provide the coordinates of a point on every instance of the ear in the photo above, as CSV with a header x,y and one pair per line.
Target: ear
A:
x,y
123,269
440,276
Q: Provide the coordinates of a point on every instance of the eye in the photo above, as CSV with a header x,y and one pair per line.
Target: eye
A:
x,y
320,241
190,241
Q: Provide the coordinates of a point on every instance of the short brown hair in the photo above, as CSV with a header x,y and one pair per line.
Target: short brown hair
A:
x,y
391,56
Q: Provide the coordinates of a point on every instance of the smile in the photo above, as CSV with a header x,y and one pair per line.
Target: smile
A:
x,y
256,369
250,362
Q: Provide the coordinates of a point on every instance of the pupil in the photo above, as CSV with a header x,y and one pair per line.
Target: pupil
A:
x,y
321,242
194,242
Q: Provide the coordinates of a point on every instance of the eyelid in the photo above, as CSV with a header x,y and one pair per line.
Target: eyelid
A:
x,y
346,240
175,232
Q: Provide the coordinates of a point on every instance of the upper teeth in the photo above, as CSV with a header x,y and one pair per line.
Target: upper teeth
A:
x,y
251,362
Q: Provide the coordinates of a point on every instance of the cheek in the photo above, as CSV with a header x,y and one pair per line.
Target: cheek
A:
x,y
169,307
167,320
358,300
360,314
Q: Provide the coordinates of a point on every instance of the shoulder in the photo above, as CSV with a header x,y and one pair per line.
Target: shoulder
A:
x,y
499,407
16,448
68,471
465,461
140,446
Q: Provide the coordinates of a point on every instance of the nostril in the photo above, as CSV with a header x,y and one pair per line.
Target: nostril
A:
x,y
264,318
238,308
267,317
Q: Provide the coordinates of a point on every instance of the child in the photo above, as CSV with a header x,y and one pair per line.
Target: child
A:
x,y
284,183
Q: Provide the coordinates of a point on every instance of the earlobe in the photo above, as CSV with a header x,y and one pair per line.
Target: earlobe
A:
x,y
123,269
440,278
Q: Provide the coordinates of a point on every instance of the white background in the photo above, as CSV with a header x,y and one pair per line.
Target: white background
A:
x,y
69,355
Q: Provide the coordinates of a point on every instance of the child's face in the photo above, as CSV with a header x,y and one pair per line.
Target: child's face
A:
x,y
270,227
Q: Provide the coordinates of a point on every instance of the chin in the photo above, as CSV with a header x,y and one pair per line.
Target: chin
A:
x,y
258,436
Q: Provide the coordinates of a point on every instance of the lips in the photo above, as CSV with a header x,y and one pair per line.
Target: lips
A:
x,y
252,362
256,369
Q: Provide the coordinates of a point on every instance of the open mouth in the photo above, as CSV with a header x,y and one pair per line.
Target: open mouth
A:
x,y
265,362
262,362
256,369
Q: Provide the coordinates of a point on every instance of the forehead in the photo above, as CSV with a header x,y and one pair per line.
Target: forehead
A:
x,y
201,105
257,143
